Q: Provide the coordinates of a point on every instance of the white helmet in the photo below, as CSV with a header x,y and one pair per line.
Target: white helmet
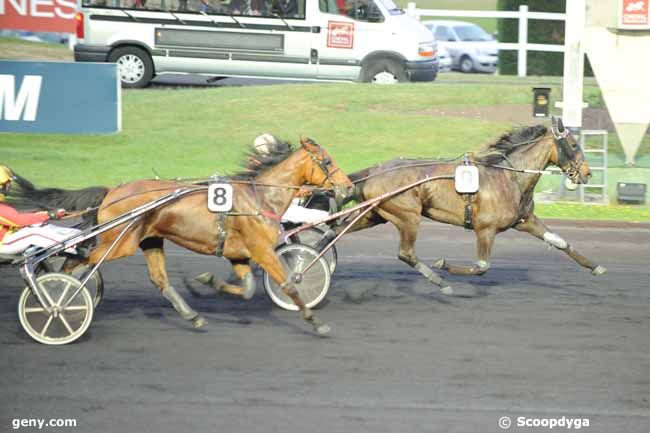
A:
x,y
264,144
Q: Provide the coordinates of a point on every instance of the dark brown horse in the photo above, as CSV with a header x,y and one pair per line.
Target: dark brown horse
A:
x,y
504,200
249,232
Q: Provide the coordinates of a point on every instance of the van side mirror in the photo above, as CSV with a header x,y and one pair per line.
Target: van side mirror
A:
x,y
373,14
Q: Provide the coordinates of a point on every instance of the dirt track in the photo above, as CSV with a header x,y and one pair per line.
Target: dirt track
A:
x,y
535,337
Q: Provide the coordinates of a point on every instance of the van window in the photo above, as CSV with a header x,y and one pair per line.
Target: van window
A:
x,y
264,8
360,10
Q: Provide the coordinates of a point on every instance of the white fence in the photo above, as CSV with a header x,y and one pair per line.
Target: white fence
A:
x,y
523,15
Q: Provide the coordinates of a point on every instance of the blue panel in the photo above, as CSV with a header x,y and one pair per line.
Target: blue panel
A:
x,y
73,98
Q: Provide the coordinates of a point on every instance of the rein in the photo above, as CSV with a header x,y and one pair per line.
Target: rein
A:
x,y
324,164
449,161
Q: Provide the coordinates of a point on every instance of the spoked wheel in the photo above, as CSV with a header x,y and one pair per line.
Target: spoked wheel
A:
x,y
311,237
65,323
315,282
95,284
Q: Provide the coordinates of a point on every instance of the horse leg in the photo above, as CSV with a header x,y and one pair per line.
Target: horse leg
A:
x,y
155,257
408,232
269,261
484,242
537,228
242,274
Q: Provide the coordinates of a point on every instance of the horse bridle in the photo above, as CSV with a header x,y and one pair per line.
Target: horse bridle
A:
x,y
566,153
323,162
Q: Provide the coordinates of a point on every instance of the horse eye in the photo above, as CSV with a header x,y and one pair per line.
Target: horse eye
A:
x,y
326,161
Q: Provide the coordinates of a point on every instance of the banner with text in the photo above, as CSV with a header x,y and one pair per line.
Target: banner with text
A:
x,y
53,97
38,15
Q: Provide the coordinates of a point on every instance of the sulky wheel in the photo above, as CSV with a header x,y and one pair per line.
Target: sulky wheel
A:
x,y
315,282
65,323
95,284
311,237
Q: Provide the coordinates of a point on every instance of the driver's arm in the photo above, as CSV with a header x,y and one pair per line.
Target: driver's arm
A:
x,y
10,217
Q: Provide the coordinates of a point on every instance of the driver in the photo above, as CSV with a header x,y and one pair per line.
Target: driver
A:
x,y
21,230
296,213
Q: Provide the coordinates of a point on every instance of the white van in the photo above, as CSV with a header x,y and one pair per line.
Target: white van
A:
x,y
330,40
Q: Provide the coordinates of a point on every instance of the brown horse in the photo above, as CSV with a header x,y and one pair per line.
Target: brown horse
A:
x,y
249,232
504,200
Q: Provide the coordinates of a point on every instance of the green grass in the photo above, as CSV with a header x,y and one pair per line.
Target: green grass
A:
x,y
594,212
197,132
12,48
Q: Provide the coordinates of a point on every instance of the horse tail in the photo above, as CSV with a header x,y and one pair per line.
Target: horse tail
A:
x,y
24,195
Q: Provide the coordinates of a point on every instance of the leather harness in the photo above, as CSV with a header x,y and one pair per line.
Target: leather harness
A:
x,y
468,220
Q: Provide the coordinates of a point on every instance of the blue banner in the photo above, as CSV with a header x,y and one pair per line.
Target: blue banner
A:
x,y
53,97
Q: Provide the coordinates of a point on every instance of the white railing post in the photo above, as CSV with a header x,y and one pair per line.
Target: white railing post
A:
x,y
72,40
573,63
523,41
410,10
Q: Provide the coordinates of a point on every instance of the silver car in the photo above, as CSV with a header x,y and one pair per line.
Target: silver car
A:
x,y
444,60
471,48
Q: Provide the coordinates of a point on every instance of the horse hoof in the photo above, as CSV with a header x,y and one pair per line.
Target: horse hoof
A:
x,y
199,322
440,264
598,270
447,290
205,278
248,293
322,329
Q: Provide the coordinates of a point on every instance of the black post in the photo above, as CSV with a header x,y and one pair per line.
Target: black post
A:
x,y
541,101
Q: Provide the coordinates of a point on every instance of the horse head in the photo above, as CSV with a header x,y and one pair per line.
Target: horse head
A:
x,y
568,155
321,170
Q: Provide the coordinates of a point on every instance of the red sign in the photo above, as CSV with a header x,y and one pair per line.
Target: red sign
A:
x,y
635,12
38,15
339,35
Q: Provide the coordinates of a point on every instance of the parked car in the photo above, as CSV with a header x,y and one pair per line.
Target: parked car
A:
x,y
471,48
444,60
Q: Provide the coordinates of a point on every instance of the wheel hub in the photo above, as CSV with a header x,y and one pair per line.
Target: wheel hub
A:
x,y
384,78
131,68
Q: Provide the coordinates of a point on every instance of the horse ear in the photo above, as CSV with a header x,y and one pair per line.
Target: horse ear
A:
x,y
560,125
306,141
554,122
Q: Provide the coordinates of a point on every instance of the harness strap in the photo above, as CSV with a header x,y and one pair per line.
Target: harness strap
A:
x,y
468,221
271,215
221,233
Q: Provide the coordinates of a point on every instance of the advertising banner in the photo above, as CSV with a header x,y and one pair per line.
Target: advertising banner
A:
x,y
38,15
59,97
633,14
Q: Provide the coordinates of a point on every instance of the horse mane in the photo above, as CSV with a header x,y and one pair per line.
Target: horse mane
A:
x,y
256,163
509,142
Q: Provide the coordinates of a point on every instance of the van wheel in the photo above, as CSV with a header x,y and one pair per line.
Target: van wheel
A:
x,y
385,71
134,66
466,64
